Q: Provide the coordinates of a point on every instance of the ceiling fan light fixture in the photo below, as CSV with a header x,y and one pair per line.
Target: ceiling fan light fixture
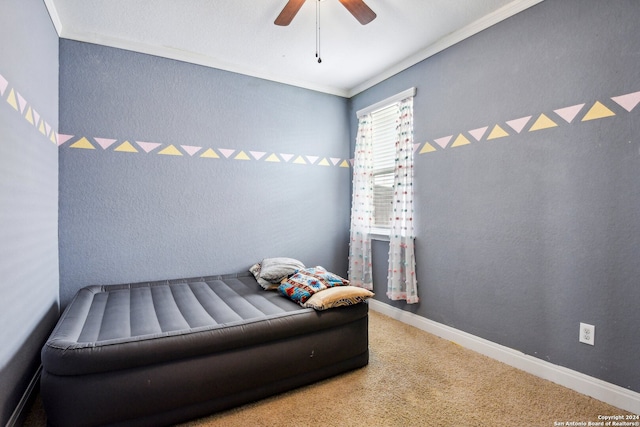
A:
x,y
357,8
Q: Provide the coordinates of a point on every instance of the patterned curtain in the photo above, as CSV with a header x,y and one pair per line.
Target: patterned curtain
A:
x,y
362,208
402,283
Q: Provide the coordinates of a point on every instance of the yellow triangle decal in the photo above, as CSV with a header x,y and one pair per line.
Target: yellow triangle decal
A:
x,y
460,140
272,158
41,128
170,151
543,122
83,143
29,116
242,156
344,164
598,111
210,154
497,132
11,99
300,161
428,148
324,162
126,147
53,138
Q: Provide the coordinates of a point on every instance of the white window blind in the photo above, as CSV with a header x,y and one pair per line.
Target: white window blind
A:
x,y
384,154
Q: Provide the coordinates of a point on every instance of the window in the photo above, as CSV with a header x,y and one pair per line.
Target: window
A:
x,y
384,133
383,125
382,200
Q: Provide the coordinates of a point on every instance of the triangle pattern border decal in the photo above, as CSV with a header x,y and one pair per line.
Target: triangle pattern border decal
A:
x,y
598,110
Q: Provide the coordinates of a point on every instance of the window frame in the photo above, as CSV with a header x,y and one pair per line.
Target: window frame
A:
x,y
383,233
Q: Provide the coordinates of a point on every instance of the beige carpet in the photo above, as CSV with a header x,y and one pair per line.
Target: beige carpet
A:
x,y
414,379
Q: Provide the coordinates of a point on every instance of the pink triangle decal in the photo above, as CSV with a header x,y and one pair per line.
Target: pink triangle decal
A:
x,y
191,149
628,101
519,124
105,142
21,102
47,128
312,159
334,160
36,117
148,146
569,113
478,133
415,147
286,157
442,142
62,138
3,85
226,152
257,154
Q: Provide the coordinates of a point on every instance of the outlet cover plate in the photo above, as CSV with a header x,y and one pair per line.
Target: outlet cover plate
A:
x,y
587,333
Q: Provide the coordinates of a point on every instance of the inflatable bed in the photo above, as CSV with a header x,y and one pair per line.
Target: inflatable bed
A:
x,y
163,352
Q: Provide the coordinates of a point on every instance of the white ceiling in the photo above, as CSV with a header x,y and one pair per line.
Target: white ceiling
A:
x,y
239,35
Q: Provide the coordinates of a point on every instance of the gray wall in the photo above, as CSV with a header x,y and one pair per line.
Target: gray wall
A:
x,y
520,238
28,193
135,216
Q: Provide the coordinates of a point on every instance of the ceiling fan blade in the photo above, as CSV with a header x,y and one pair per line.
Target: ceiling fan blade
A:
x,y
359,10
289,12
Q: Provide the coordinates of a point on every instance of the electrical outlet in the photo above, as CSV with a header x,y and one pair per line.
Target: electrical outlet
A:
x,y
587,333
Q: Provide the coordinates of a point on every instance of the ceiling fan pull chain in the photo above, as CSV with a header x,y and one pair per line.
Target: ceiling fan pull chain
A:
x,y
318,31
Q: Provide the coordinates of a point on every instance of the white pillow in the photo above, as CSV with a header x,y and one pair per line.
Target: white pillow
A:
x,y
275,269
271,271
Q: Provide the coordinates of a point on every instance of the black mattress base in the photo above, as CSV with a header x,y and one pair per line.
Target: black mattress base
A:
x,y
207,408
170,392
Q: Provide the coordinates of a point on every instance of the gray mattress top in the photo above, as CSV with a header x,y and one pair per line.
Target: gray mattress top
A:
x,y
115,327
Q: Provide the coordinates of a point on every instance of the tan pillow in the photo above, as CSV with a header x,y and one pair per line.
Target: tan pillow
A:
x,y
338,296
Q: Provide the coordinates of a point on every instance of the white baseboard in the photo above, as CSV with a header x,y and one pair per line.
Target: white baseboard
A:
x,y
606,392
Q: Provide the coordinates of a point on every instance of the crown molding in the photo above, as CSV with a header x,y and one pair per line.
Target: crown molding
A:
x,y
53,14
193,58
475,27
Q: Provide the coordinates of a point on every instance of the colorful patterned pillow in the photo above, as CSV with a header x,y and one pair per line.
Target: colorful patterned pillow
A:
x,y
338,297
308,281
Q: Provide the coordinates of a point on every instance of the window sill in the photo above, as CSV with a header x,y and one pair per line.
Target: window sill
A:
x,y
381,234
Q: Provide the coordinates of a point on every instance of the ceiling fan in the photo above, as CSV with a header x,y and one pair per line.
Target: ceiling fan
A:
x,y
358,9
